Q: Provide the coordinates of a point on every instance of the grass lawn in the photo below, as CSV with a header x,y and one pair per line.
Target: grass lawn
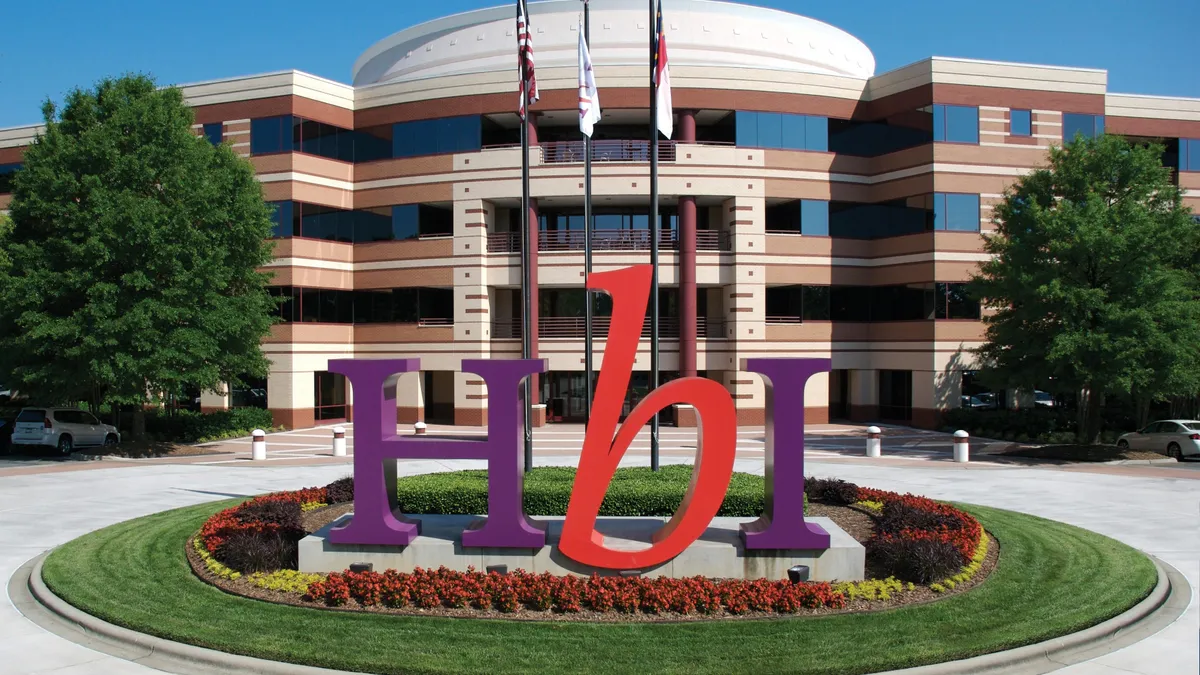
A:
x,y
1052,579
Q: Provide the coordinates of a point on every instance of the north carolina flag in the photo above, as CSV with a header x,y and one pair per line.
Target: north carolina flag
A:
x,y
662,80
589,96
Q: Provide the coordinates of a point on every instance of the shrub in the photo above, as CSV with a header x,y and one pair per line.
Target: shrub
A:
x,y
831,491
918,560
340,491
634,491
285,516
898,516
249,552
185,426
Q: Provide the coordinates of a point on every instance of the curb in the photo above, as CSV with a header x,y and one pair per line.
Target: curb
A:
x,y
1126,462
1167,602
147,650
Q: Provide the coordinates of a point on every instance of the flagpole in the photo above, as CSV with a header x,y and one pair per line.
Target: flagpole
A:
x,y
587,238
526,286
653,232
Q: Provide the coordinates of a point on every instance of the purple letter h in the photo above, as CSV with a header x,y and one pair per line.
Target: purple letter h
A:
x,y
375,442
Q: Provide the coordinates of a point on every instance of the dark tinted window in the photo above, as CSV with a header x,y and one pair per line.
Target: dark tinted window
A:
x,y
781,130
214,132
32,416
67,417
1089,126
1020,122
953,302
396,305
874,221
437,136
1194,426
7,171
956,123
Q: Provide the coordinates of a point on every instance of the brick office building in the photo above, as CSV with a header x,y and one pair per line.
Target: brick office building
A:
x,y
809,206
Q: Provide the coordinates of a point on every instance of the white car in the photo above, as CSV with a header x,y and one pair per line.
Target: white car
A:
x,y
1173,438
63,429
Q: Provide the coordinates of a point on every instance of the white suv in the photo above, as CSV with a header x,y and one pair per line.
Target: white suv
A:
x,y
62,428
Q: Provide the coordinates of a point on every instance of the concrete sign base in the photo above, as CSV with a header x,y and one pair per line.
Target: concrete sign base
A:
x,y
719,553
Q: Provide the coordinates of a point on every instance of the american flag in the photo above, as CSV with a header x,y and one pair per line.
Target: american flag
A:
x,y
528,83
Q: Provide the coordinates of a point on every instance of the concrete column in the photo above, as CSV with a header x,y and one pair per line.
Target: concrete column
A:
x,y
213,401
926,413
686,131
745,302
470,400
472,306
290,397
864,395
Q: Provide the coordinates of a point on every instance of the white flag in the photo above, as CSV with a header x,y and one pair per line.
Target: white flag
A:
x,y
662,80
589,96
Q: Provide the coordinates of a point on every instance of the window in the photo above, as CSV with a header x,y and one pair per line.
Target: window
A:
x,y
953,302
956,123
1020,122
215,132
437,136
388,305
7,171
895,395
329,396
781,130
793,304
957,212
412,221
1189,155
852,220
314,221
804,216
289,133
1089,126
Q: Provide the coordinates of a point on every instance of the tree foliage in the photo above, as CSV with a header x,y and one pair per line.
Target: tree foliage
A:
x,y
1094,279
134,254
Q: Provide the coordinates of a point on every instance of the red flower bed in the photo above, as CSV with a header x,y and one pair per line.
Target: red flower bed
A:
x,y
954,527
540,592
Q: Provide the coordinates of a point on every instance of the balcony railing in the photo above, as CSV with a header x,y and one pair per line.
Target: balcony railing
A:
x,y
569,327
569,152
606,240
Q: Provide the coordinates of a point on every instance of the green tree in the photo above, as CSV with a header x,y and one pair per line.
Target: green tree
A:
x,y
1093,278
134,254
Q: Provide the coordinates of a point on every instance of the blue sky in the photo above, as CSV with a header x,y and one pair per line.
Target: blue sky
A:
x,y
1147,46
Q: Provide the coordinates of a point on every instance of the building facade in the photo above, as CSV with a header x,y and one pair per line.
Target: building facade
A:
x,y
809,207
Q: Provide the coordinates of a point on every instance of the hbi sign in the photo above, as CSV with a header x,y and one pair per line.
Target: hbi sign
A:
x,y
781,526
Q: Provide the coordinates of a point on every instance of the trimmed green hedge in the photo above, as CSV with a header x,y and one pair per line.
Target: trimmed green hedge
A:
x,y
635,491
186,426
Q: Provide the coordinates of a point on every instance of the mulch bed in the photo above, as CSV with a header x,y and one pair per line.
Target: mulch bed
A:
x,y
856,522
1081,453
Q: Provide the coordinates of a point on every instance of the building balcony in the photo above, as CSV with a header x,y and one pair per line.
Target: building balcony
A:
x,y
607,151
575,328
606,241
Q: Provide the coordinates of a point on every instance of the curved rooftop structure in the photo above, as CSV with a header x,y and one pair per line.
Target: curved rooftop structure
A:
x,y
699,32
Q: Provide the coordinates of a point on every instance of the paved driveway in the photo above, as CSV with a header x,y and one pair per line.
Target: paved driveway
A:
x,y
42,506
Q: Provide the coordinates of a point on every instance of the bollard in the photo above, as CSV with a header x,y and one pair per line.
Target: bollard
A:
x,y
419,428
339,442
962,446
874,443
258,445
